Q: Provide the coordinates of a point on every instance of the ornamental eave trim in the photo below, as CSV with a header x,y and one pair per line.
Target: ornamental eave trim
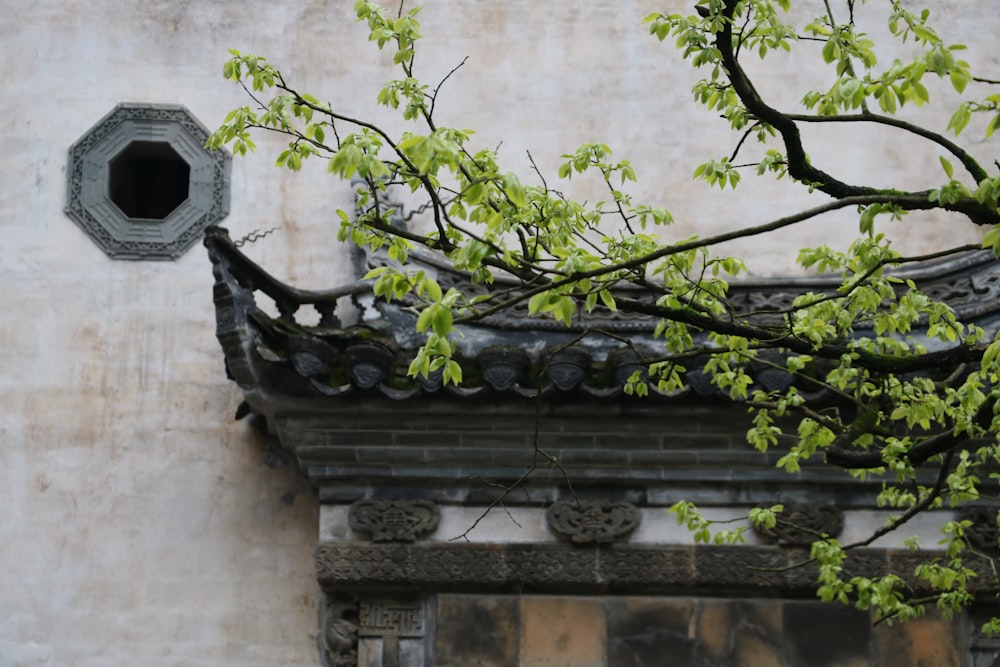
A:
x,y
511,354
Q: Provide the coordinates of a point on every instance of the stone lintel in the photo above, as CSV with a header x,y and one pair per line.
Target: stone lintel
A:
x,y
620,569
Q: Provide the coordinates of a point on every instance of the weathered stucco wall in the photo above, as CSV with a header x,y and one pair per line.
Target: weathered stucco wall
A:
x,y
139,523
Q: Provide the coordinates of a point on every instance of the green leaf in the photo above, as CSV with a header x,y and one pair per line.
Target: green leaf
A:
x,y
432,289
946,165
959,79
442,321
514,190
375,273
990,356
992,240
564,310
993,126
425,319
538,302
452,373
608,300
961,118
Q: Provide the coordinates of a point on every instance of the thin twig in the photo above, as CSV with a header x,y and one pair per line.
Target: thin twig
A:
x,y
437,88
916,509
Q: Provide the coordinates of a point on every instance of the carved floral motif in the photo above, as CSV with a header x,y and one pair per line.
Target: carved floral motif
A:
x,y
801,524
983,534
592,521
394,520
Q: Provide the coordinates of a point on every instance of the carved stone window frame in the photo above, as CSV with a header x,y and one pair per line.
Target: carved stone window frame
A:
x,y
88,201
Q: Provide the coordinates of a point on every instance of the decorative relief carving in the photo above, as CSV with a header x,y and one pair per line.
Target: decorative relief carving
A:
x,y
88,200
370,364
568,367
592,521
502,367
614,569
800,524
625,361
383,618
375,360
540,567
339,637
310,356
394,520
742,567
639,568
391,632
983,534
453,565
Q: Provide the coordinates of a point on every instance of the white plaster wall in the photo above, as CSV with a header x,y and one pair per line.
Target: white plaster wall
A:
x,y
138,522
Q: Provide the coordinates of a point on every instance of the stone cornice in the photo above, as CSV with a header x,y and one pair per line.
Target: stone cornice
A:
x,y
644,451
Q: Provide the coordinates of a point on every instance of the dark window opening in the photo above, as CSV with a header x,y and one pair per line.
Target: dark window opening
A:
x,y
148,179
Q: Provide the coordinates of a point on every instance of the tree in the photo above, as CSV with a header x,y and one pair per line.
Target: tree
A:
x,y
914,387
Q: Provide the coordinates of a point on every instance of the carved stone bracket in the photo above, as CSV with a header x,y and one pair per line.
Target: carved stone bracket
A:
x,y
588,521
372,631
394,520
338,641
801,524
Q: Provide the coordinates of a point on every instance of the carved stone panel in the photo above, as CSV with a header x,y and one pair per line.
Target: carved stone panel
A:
x,y
801,524
592,521
394,520
391,632
641,569
384,618
983,534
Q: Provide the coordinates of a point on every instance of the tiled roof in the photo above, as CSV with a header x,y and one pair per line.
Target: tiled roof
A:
x,y
508,352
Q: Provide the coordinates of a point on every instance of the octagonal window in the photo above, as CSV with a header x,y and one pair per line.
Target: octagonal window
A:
x,y
142,185
148,179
